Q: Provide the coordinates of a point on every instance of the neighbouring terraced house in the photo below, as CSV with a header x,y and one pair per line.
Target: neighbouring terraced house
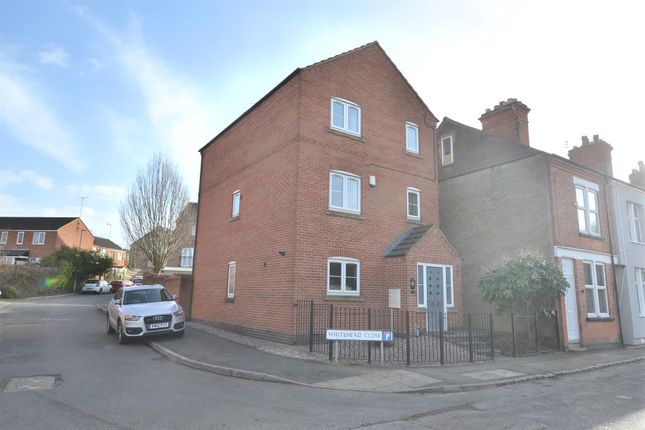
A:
x,y
325,190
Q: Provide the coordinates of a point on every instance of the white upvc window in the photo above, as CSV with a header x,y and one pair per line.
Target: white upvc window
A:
x,y
235,208
187,257
119,256
193,230
39,238
230,289
635,220
446,150
20,238
596,290
3,237
639,274
414,203
411,138
345,116
587,204
343,276
422,291
344,192
103,252
450,293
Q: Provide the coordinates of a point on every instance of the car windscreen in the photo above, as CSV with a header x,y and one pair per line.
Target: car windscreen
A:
x,y
146,296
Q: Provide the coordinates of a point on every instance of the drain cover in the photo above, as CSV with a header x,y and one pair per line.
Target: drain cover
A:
x,y
30,383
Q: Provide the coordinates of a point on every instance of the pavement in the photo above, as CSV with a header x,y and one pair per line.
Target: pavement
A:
x,y
214,350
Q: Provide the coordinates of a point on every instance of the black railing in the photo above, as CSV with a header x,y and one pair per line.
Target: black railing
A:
x,y
521,334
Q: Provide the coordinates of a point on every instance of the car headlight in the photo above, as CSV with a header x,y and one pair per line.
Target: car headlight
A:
x,y
179,313
132,317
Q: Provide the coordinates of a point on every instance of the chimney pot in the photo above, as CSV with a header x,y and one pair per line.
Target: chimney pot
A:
x,y
508,120
593,155
585,140
641,165
595,138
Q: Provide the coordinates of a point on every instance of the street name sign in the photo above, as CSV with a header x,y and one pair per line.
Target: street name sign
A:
x,y
361,335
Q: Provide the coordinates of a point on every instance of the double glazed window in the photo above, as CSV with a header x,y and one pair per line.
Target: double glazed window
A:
x,y
587,203
640,288
596,290
230,288
343,276
411,138
344,192
3,237
187,257
414,203
635,220
345,116
446,150
39,238
20,237
235,209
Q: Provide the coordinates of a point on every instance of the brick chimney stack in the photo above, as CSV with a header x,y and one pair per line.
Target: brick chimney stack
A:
x,y
595,155
508,120
637,177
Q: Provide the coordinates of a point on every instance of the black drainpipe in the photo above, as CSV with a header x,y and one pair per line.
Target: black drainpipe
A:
x,y
613,263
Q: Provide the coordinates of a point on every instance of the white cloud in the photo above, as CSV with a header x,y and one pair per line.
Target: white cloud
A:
x,y
102,192
11,206
29,118
53,54
95,65
15,177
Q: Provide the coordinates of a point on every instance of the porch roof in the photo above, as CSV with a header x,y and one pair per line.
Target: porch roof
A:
x,y
406,241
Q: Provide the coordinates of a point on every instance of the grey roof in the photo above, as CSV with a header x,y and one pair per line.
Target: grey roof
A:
x,y
33,223
474,150
15,252
106,243
406,241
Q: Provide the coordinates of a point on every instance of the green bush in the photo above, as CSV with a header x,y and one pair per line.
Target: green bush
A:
x,y
9,293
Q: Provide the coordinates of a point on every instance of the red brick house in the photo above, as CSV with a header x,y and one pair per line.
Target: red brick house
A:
x,y
499,196
32,238
106,248
326,190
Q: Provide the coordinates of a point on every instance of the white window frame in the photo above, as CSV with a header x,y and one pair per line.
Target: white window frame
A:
x,y
343,279
36,238
422,290
445,162
346,105
187,254
3,237
415,148
230,282
20,237
193,230
345,207
634,218
587,187
595,288
235,206
639,276
411,190
119,256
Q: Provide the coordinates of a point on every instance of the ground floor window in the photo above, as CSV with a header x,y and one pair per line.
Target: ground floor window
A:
x,y
343,276
640,288
596,290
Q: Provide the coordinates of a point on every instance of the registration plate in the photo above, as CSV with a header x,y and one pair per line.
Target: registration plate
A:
x,y
159,325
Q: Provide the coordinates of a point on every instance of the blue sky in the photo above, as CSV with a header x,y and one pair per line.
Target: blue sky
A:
x,y
90,90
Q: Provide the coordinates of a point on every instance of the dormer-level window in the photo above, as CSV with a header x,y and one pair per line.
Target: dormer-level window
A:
x,y
345,116
587,203
411,138
235,210
446,151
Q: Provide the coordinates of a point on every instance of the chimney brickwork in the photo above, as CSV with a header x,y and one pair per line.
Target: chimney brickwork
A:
x,y
637,177
595,154
508,120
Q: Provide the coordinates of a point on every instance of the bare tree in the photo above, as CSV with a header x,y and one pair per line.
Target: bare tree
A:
x,y
150,216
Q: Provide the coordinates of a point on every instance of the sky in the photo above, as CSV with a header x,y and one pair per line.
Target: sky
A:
x,y
90,90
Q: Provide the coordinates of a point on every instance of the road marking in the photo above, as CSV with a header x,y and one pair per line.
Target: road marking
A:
x,y
30,383
32,304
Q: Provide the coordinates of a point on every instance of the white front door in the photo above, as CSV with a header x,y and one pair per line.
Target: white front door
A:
x,y
573,329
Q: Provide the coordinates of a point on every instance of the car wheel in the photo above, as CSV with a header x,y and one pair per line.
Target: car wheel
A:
x,y
100,291
110,330
120,336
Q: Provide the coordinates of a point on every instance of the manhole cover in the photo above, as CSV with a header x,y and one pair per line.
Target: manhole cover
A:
x,y
30,383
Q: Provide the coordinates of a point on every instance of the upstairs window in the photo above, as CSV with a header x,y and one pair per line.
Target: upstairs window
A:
x,y
3,237
414,203
596,290
187,257
587,203
235,211
230,289
344,192
343,276
446,151
635,220
345,116
193,230
20,238
39,238
119,256
640,288
411,138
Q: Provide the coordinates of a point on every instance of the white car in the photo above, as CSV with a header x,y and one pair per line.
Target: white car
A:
x,y
144,310
96,286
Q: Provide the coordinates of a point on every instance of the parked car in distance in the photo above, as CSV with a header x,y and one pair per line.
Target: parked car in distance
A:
x,y
98,286
137,280
146,310
118,283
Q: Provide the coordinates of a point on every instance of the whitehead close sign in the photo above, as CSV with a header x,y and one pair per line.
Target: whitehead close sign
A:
x,y
364,335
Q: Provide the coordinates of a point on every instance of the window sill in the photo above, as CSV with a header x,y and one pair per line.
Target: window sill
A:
x,y
637,243
600,319
229,300
235,218
343,298
355,137
414,221
591,236
413,154
335,212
